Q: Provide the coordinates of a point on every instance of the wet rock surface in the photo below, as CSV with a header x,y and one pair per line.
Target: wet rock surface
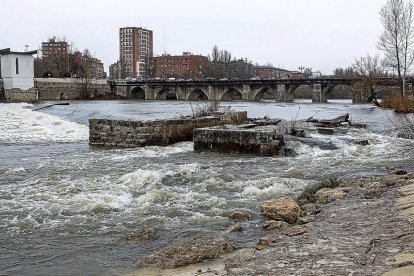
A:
x,y
358,234
188,251
284,209
145,234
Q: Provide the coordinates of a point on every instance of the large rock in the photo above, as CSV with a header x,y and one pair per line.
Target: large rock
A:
x,y
189,251
285,209
239,216
331,194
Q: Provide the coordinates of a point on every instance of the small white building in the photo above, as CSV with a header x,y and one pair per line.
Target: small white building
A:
x,y
17,69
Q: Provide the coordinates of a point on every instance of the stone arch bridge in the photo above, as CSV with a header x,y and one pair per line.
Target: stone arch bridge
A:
x,y
281,90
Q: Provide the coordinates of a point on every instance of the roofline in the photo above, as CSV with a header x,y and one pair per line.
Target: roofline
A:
x,y
8,52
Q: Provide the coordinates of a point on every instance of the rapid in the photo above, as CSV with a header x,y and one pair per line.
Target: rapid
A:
x,y
66,208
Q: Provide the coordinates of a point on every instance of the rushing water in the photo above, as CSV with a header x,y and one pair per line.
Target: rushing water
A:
x,y
65,208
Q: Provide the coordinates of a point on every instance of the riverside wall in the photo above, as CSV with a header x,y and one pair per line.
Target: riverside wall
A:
x,y
70,89
121,133
58,89
2,97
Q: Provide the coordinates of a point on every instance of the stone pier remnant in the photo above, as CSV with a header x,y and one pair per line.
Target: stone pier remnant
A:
x,y
244,139
128,133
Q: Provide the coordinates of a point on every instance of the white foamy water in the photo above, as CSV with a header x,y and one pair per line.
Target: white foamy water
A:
x,y
63,202
19,124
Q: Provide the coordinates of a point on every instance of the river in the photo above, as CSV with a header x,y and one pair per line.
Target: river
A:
x,y
65,208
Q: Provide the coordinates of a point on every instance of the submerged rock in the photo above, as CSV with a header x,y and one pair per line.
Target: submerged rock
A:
x,y
146,234
189,251
285,209
238,227
239,216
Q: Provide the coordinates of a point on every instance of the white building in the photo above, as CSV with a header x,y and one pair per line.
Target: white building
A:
x,y
17,69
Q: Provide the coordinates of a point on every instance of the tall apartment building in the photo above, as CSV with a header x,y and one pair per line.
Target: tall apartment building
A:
x,y
135,51
53,48
55,59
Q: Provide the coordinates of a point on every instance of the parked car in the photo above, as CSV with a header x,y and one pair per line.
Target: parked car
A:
x,y
171,79
254,78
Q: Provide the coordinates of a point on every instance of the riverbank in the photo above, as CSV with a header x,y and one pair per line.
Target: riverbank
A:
x,y
365,228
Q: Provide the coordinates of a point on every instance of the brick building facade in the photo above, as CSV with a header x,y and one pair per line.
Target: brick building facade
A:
x,y
269,72
186,65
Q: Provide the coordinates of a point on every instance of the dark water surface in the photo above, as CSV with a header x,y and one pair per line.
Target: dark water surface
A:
x,y
65,208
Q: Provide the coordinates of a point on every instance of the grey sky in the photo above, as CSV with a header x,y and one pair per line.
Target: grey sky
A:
x,y
322,34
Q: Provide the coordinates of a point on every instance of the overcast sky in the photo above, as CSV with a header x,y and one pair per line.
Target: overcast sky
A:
x,y
321,34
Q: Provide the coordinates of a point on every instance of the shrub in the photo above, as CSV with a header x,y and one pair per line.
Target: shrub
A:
x,y
399,103
208,109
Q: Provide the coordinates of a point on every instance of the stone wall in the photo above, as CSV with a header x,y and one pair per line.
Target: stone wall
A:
x,y
19,95
239,139
118,133
70,89
1,90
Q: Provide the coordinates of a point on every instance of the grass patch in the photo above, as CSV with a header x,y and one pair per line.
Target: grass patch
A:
x,y
308,195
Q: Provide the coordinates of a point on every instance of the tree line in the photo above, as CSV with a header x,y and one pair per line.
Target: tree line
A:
x,y
396,43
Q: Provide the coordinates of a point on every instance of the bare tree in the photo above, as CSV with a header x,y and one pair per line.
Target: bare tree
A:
x,y
215,54
369,69
397,40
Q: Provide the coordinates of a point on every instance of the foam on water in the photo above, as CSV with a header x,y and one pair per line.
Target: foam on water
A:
x,y
20,125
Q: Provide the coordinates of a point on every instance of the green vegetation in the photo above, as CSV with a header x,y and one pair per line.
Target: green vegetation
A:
x,y
308,195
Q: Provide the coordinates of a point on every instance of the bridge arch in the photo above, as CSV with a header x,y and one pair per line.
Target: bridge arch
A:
x,y
137,93
264,93
197,95
339,91
166,94
232,94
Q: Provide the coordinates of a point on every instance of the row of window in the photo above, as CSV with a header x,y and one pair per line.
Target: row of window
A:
x,y
171,65
171,60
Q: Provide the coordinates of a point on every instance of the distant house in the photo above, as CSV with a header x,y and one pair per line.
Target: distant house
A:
x,y
269,72
17,69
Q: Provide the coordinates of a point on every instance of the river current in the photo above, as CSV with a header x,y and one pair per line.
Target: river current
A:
x,y
66,208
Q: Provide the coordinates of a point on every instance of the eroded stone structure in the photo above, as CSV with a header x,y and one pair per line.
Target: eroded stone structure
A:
x,y
119,133
244,139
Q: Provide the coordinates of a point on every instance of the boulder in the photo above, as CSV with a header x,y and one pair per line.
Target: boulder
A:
x,y
309,209
145,234
188,251
394,180
274,224
285,209
331,194
238,227
297,230
239,216
263,242
306,220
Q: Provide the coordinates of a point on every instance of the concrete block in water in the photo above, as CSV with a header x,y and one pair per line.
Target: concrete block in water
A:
x,y
237,139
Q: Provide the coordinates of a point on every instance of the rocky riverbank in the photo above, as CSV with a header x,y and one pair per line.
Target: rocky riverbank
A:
x,y
362,227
